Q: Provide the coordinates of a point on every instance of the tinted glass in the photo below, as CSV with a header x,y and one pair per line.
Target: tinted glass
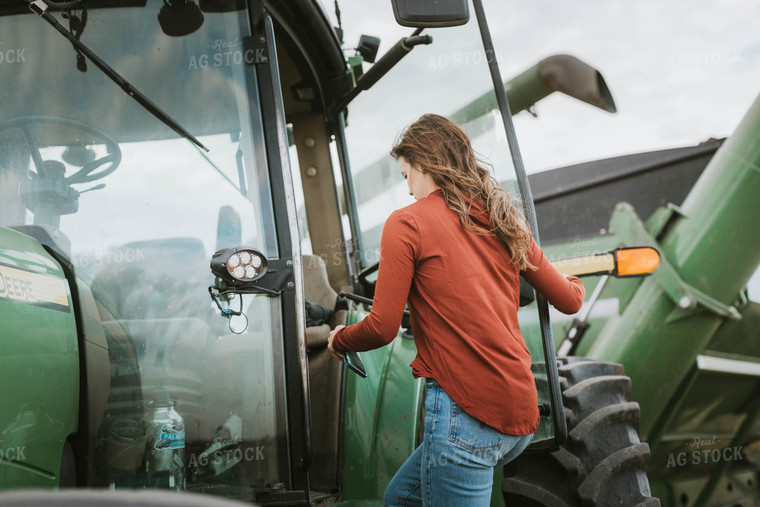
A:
x,y
141,234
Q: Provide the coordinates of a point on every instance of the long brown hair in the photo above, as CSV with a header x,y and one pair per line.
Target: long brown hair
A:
x,y
437,146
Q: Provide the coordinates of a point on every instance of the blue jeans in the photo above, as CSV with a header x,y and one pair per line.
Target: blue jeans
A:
x,y
455,462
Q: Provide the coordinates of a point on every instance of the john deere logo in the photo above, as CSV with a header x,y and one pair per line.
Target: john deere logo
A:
x,y
14,287
33,288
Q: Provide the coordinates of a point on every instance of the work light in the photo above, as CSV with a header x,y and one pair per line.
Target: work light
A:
x,y
238,265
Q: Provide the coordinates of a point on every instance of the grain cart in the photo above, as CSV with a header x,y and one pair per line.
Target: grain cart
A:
x,y
141,140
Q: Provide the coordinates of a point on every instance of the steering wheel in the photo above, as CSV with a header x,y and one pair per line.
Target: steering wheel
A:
x,y
90,171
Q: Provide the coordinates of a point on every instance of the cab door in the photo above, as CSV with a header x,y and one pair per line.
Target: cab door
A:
x,y
452,75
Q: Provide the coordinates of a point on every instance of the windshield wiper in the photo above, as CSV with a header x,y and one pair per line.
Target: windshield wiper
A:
x,y
40,8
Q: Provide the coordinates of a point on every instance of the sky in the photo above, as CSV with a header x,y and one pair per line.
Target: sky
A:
x,y
679,71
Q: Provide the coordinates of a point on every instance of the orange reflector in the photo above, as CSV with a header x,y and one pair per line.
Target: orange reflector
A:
x,y
637,261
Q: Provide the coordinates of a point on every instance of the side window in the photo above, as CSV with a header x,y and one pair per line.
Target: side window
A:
x,y
303,226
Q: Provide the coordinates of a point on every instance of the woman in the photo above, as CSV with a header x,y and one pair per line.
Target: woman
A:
x,y
455,257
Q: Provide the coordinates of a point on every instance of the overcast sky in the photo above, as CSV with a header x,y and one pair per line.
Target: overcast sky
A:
x,y
680,71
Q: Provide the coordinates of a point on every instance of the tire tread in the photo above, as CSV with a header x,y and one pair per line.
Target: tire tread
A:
x,y
603,462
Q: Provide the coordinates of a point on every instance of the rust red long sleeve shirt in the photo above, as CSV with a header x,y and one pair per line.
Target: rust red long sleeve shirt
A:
x,y
463,293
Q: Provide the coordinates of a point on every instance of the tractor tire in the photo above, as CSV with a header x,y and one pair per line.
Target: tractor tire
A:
x,y
603,462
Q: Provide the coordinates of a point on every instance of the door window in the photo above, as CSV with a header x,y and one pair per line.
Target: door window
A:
x,y
141,234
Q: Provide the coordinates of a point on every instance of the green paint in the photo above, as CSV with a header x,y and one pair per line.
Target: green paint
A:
x,y
380,419
710,252
692,305
39,376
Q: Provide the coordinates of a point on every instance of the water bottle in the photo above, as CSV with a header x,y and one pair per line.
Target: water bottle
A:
x,y
165,445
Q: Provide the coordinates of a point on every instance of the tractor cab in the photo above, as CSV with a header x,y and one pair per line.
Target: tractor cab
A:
x,y
157,136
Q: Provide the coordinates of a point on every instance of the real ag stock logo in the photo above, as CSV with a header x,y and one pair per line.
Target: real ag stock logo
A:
x,y
11,55
704,451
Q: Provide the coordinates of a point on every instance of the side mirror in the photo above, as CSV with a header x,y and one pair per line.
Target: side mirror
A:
x,y
430,13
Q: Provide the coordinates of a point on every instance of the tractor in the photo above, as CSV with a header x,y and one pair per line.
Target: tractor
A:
x,y
191,197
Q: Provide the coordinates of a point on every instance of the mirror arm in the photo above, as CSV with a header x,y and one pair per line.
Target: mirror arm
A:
x,y
383,65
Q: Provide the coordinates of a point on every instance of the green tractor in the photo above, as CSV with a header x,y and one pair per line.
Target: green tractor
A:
x,y
143,143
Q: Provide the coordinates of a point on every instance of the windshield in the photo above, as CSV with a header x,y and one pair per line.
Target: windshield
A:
x,y
140,210
445,77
